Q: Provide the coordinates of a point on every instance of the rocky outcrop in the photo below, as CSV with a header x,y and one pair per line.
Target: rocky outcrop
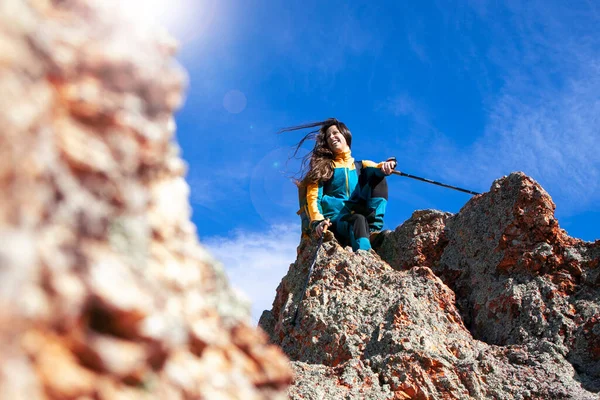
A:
x,y
495,302
105,292
523,279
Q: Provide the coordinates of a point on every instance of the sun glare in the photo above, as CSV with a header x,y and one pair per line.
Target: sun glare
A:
x,y
164,13
185,19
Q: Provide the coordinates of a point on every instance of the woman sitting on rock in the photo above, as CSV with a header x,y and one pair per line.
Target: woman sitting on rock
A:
x,y
347,197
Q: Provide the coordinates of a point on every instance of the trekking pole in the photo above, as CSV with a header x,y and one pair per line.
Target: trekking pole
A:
x,y
310,270
434,182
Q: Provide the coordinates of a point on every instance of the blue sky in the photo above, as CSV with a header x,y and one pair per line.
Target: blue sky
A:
x,y
462,92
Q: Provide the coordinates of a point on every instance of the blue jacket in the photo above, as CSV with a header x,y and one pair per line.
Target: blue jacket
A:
x,y
325,200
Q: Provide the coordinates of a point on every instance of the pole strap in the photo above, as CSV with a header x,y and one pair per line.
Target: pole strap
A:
x,y
400,173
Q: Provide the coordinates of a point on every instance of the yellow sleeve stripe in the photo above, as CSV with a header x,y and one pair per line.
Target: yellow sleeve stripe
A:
x,y
312,197
371,164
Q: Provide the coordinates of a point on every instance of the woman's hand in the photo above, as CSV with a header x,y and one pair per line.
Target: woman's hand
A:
x,y
387,167
323,225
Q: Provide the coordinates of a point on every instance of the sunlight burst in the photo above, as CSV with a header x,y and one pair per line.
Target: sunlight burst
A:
x,y
186,20
165,13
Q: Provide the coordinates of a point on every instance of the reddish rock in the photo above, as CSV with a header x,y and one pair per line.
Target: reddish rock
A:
x,y
493,302
519,277
105,292
418,241
58,369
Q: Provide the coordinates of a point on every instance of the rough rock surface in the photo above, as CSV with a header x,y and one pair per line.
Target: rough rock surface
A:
x,y
105,292
495,302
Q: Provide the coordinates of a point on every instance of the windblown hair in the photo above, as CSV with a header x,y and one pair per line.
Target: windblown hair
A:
x,y
317,165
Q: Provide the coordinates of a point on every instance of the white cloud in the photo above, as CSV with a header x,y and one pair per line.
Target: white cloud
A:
x,y
403,105
554,141
544,120
257,261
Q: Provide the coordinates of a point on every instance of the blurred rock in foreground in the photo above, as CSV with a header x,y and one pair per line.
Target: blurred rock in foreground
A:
x,y
105,292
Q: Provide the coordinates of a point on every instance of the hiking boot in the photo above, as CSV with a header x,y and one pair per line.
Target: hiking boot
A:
x,y
377,238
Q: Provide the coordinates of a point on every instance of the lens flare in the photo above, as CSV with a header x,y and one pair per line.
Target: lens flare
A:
x,y
234,101
273,195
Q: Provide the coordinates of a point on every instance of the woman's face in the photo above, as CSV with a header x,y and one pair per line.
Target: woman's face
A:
x,y
335,140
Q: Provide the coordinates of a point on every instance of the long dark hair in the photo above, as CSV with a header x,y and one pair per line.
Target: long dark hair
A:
x,y
317,165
